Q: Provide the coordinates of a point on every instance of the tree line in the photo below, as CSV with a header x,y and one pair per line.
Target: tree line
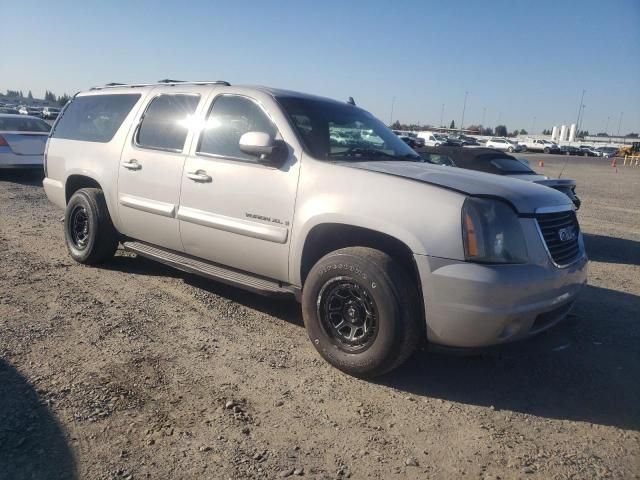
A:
x,y
49,96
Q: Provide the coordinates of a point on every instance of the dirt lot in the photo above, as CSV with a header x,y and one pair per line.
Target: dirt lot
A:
x,y
135,370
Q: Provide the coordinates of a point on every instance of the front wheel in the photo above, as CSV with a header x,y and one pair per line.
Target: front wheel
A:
x,y
361,311
510,149
90,236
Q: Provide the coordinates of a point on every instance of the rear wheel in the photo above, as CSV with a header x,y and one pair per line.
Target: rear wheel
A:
x,y
89,233
546,150
361,311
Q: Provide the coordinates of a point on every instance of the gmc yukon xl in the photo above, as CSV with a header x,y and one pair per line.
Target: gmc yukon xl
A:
x,y
245,185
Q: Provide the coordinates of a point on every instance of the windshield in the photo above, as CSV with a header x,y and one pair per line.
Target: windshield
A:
x,y
16,124
319,123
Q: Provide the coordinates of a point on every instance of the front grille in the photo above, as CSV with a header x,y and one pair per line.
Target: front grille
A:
x,y
560,231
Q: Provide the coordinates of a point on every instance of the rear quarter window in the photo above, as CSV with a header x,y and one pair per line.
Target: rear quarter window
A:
x,y
94,118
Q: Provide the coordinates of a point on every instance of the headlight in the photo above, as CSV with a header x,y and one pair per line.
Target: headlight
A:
x,y
491,232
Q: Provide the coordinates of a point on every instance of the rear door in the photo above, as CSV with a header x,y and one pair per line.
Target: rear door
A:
x,y
151,166
234,210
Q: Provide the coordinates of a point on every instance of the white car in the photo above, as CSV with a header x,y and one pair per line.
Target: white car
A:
x,y
501,143
432,139
22,141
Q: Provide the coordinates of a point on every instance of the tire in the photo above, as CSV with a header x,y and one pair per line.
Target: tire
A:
x,y
546,150
585,154
362,280
89,234
510,149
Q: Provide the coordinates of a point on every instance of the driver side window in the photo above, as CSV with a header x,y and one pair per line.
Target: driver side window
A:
x,y
230,117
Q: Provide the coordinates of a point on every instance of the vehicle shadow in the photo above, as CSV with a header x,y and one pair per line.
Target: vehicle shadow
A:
x,y
32,443
586,369
282,307
612,250
32,177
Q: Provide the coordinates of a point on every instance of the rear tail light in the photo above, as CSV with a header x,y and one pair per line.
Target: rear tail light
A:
x,y
3,142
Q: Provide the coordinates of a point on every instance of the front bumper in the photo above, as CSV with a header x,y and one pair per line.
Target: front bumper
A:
x,y
472,305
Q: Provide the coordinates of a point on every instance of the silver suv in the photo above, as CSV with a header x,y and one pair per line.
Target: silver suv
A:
x,y
247,186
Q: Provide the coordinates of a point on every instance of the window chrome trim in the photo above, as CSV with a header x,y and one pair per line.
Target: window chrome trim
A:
x,y
136,131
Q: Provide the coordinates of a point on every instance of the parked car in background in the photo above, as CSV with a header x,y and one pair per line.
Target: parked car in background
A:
x,y
452,256
22,110
50,113
418,141
22,141
467,140
608,151
589,151
453,141
12,109
490,160
570,150
431,139
501,143
540,145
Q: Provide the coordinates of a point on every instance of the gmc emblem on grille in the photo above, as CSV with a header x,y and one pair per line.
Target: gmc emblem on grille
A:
x,y
567,234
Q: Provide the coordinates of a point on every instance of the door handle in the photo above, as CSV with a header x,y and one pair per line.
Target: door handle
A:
x,y
132,165
199,176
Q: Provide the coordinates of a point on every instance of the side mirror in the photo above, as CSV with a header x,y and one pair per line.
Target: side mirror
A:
x,y
264,146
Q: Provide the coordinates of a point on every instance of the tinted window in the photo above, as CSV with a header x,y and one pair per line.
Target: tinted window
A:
x,y
231,117
17,124
94,118
165,123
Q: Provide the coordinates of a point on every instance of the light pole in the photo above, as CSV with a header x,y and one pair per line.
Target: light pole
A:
x,y
606,129
620,123
580,107
533,128
464,107
393,101
441,115
582,117
484,112
499,117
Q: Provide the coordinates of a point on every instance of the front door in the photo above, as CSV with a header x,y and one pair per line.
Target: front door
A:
x,y
234,210
150,170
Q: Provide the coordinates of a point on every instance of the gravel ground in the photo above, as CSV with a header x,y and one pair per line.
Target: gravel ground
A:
x,y
134,370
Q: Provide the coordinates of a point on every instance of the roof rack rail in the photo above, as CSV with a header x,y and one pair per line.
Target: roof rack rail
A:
x,y
162,82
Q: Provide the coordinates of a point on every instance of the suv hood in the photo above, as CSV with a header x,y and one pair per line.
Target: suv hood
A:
x,y
526,197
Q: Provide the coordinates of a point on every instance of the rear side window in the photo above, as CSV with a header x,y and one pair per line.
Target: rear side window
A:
x,y
17,124
94,118
165,123
230,117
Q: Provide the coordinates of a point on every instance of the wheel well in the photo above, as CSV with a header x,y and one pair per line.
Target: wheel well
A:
x,y
328,237
76,182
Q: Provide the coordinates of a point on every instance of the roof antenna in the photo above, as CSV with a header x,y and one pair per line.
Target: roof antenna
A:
x,y
351,101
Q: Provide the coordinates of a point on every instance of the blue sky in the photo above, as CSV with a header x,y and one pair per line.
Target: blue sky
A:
x,y
518,60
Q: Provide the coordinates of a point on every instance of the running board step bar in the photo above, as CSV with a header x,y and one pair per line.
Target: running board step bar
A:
x,y
189,264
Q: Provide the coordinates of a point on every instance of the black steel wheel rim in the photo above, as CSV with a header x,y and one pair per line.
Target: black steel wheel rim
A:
x,y
348,314
79,227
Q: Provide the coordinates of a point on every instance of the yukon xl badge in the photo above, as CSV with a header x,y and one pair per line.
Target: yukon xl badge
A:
x,y
567,234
